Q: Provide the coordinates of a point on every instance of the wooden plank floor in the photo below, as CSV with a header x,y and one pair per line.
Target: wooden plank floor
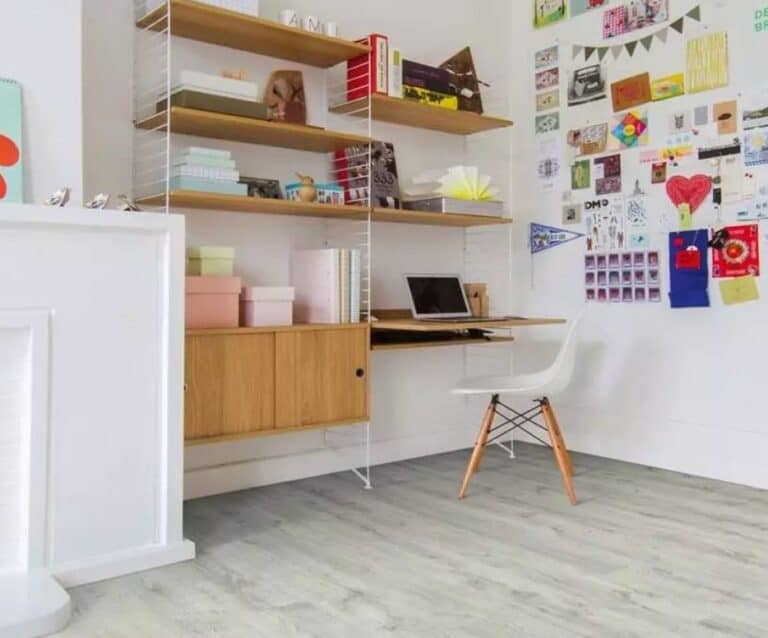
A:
x,y
647,553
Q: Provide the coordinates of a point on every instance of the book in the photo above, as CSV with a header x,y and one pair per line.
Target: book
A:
x,y
431,98
11,160
355,275
203,101
207,186
369,73
209,82
395,73
206,172
315,276
204,160
427,77
353,166
207,152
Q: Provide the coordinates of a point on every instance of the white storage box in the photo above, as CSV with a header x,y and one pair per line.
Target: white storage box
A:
x,y
266,306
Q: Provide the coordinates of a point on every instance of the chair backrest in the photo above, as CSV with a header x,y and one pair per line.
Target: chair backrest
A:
x,y
565,362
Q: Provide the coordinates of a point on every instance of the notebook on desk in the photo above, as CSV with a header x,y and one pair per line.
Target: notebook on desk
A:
x,y
441,298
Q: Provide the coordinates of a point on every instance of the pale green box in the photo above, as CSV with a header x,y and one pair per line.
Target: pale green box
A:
x,y
211,261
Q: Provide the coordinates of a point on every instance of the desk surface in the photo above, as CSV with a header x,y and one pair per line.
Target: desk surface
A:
x,y
438,326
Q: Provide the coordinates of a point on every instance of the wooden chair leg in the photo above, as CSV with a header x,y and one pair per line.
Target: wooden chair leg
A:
x,y
559,450
480,443
561,439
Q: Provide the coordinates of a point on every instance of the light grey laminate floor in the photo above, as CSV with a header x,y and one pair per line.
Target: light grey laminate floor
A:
x,y
646,553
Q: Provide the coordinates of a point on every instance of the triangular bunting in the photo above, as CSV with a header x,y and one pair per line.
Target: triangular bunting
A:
x,y
647,42
602,52
577,49
662,35
695,13
617,51
588,52
677,25
545,237
631,46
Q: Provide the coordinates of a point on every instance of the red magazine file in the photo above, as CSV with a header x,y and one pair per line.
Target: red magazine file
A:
x,y
369,73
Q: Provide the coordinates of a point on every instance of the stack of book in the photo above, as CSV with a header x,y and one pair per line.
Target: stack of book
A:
x,y
208,92
327,284
428,85
208,170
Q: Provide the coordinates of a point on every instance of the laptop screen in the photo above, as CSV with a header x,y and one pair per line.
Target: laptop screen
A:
x,y
434,295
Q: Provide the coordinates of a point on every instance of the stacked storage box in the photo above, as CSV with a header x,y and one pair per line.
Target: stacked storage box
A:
x,y
208,170
212,292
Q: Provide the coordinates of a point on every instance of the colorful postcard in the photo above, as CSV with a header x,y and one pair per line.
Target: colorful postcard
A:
x,y
547,123
755,113
578,7
587,84
548,12
593,139
668,87
679,122
548,79
629,130
646,13
615,22
631,92
581,176
609,166
548,101
572,214
726,116
707,62
608,185
739,290
756,147
548,57
11,171
740,255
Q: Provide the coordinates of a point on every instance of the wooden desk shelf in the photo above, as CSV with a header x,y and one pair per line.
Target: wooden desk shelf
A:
x,y
414,114
456,220
244,129
441,344
440,326
206,23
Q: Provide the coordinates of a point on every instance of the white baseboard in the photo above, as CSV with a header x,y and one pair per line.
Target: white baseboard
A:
x,y
121,563
32,604
208,481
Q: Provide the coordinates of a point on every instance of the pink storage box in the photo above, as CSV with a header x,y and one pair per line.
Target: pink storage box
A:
x,y
267,306
212,302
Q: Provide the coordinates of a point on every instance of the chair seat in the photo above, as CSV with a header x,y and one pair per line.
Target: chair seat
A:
x,y
533,385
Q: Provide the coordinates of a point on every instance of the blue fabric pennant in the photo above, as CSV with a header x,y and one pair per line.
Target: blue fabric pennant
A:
x,y
689,287
545,237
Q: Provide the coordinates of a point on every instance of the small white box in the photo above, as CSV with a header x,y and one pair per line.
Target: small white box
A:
x,y
262,306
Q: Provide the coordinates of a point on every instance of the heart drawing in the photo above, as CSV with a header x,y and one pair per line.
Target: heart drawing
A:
x,y
689,190
9,155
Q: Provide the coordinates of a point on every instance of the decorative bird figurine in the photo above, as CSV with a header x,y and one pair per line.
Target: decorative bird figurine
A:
x,y
307,191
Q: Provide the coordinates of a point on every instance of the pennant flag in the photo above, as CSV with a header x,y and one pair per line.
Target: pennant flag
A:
x,y
617,51
602,52
631,46
695,13
677,25
662,35
546,237
647,42
577,49
588,51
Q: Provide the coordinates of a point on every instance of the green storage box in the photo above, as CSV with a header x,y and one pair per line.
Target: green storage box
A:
x,y
210,261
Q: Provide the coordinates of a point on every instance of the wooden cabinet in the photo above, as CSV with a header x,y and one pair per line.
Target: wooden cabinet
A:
x,y
322,377
255,382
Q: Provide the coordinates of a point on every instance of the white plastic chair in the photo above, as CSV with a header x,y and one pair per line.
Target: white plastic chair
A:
x,y
539,386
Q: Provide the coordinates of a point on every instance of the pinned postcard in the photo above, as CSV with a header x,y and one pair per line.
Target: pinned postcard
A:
x,y
606,227
629,130
726,117
631,92
549,163
740,253
548,12
756,147
755,113
548,101
587,84
11,164
707,62
547,79
547,57
547,123
668,87
739,290
578,7
581,177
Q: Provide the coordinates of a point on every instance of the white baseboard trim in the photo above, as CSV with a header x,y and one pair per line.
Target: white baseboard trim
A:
x,y
32,604
221,479
121,563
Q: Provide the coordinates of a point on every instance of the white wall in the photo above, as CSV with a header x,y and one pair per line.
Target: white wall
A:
x,y
679,389
41,48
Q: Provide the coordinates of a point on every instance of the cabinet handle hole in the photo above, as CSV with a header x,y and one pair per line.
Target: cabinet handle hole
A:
x,y
360,373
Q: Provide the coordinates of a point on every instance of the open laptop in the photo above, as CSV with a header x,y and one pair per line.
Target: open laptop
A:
x,y
441,298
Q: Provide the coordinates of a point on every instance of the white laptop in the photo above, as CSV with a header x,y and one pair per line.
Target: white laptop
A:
x,y
440,298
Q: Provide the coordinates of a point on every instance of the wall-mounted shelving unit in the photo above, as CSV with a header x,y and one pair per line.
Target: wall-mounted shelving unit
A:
x,y
222,365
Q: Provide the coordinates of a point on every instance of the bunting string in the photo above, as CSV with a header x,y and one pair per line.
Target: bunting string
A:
x,y
631,47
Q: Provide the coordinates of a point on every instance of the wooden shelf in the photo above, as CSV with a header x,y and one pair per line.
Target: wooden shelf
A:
x,y
244,129
300,327
410,113
242,204
440,344
457,220
441,326
206,23
260,434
